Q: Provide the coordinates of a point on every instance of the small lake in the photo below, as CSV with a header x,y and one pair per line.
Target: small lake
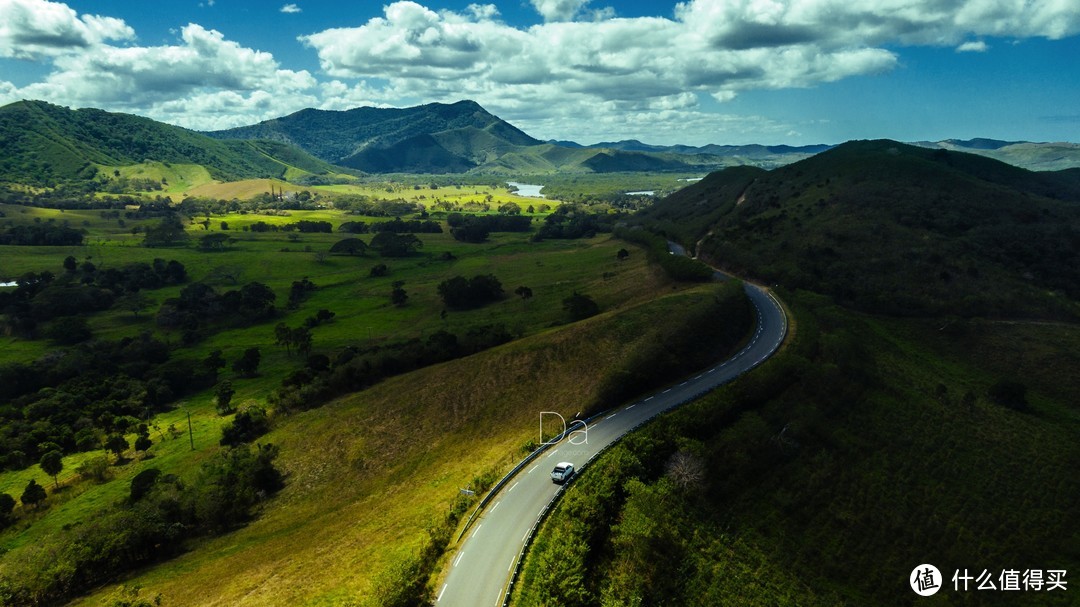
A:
x,y
692,179
9,284
527,190
642,193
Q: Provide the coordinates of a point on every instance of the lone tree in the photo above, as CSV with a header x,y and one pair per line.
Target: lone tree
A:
x,y
52,463
117,444
33,495
248,364
622,254
580,306
349,246
143,442
525,293
223,397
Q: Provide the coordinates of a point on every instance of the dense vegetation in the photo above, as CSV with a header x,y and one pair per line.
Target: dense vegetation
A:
x,y
161,515
821,479
894,229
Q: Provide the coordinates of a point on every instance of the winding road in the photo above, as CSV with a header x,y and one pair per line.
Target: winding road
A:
x,y
481,571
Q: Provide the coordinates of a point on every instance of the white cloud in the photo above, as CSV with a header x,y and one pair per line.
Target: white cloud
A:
x,y
291,8
707,47
558,10
32,29
977,46
203,82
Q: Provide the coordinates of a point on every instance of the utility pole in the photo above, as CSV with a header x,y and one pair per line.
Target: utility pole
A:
x,y
191,436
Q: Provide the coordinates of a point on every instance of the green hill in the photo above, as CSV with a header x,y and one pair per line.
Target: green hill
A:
x,y
45,143
887,227
448,138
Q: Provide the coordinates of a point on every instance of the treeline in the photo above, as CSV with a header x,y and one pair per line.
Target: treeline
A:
x,y
80,288
575,221
396,225
356,368
43,235
678,267
200,305
710,330
475,228
161,514
298,226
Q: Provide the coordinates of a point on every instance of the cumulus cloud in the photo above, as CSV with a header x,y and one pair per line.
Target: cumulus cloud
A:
x,y
204,81
31,29
558,10
710,48
977,46
291,9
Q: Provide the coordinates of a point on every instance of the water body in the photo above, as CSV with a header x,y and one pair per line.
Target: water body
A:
x,y
9,284
527,190
642,193
692,179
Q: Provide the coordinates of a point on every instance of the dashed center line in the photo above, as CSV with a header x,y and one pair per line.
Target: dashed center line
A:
x,y
441,592
511,488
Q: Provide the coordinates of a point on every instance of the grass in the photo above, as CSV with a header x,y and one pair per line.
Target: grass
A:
x,y
369,472
387,469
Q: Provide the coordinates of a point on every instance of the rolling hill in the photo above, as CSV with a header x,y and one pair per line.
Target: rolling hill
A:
x,y
887,227
450,138
45,143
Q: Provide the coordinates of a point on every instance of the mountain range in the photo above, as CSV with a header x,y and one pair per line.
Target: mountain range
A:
x,y
44,143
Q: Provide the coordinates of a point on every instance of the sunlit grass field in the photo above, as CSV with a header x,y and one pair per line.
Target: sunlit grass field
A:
x,y
401,449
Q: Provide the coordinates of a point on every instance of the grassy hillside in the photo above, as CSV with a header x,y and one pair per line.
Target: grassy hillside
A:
x,y
868,447
892,228
367,474
44,143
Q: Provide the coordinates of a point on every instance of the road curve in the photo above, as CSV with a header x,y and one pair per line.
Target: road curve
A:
x,y
481,570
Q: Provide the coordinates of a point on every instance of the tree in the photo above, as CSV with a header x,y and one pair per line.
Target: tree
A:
x,y
33,495
389,244
70,265
525,293
168,231
398,296
214,242
249,424
283,337
69,330
135,302
143,442
52,463
580,306
223,397
213,362
117,444
7,505
378,270
622,254
248,364
349,246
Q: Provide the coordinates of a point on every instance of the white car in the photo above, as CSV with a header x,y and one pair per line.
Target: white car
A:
x,y
562,472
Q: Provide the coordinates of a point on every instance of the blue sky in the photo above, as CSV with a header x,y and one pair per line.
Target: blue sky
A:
x,y
694,72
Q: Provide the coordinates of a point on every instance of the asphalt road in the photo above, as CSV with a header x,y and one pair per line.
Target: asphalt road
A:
x,y
481,569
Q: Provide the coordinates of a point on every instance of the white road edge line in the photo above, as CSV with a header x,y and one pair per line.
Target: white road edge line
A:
x,y
476,530
533,468
512,488
441,592
496,505
459,558
648,399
